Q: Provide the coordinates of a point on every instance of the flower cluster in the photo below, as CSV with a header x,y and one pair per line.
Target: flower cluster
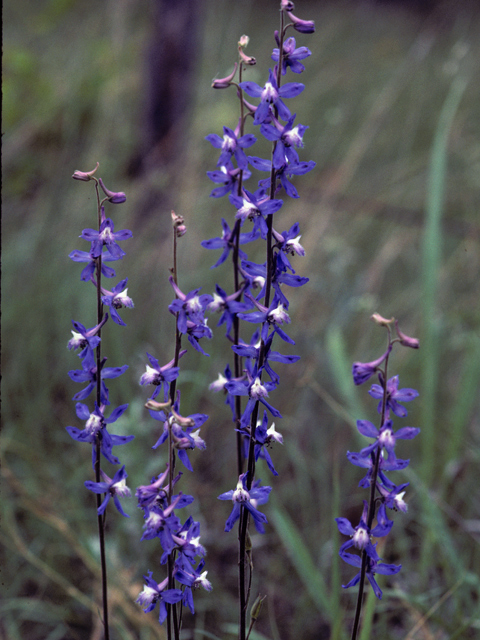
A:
x,y
259,297
182,552
93,372
378,458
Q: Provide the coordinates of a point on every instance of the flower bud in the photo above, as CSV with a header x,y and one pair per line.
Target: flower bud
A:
x,y
158,406
256,607
405,340
383,322
85,175
223,83
302,26
179,224
182,421
115,197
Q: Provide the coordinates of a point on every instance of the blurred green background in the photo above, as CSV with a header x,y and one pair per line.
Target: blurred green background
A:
x,y
389,220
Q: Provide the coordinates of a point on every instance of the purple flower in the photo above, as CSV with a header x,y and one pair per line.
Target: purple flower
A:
x,y
263,440
275,315
228,177
147,494
373,566
361,534
85,338
182,440
88,373
385,438
188,544
161,523
363,371
255,206
192,578
95,427
390,463
106,237
287,138
159,376
116,299
188,306
231,145
242,498
392,495
154,592
270,94
227,242
227,305
394,396
252,351
287,169
291,56
89,270
112,488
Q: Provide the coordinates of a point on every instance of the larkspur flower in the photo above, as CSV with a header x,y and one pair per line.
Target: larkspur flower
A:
x,y
373,566
188,306
271,95
117,298
226,242
227,176
162,523
385,438
227,305
282,172
85,338
361,534
113,488
89,270
394,396
390,463
291,56
89,373
154,592
287,138
192,578
254,206
275,315
243,498
106,236
252,386
160,376
230,145
95,428
392,494
263,438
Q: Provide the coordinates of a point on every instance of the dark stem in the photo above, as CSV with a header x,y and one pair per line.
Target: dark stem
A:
x,y
172,608
371,506
99,497
243,525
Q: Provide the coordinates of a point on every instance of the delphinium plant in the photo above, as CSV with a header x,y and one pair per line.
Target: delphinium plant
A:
x,y
88,342
255,312
379,458
182,552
